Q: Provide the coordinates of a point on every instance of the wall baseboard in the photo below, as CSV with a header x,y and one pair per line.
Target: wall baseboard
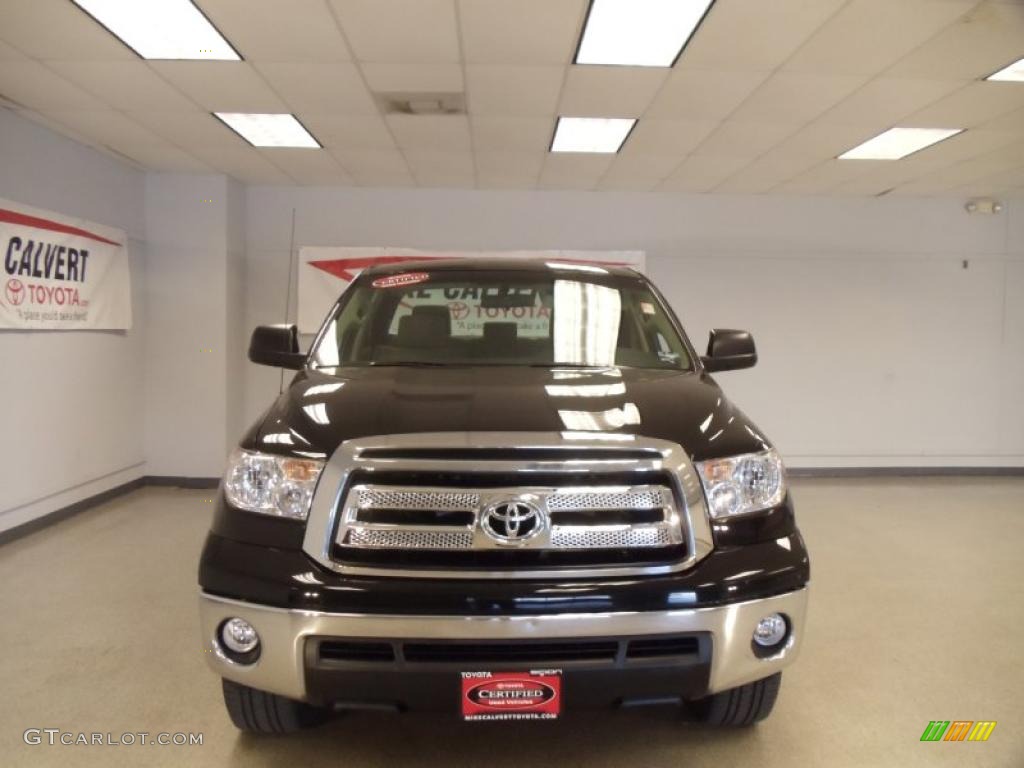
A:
x,y
176,481
905,472
43,521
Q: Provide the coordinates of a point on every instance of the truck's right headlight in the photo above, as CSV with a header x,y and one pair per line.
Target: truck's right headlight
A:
x,y
741,484
273,485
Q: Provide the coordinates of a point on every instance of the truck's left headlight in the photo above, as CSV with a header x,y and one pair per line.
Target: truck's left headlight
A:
x,y
741,484
273,485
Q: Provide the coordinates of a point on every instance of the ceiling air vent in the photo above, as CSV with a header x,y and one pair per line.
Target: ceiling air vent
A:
x,y
433,103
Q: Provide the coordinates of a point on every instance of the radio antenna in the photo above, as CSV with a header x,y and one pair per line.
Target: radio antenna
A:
x,y
288,293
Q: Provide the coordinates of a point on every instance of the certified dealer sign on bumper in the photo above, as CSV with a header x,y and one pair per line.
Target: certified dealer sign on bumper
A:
x,y
61,273
535,695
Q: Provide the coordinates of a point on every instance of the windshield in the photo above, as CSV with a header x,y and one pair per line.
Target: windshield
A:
x,y
501,318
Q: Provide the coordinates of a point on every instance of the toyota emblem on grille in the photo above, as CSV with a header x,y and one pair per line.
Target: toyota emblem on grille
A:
x,y
512,522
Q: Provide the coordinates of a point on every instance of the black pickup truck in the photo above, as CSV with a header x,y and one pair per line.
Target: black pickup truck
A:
x,y
504,489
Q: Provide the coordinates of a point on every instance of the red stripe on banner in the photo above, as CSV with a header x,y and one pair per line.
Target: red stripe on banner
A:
x,y
13,217
343,267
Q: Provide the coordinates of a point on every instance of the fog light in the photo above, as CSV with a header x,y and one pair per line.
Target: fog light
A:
x,y
239,635
770,631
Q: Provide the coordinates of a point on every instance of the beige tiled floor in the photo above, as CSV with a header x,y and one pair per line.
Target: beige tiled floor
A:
x,y
917,613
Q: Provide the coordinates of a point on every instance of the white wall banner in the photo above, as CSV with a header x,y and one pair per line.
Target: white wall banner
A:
x,y
62,273
324,272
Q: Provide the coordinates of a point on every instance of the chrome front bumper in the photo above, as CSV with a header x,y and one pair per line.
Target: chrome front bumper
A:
x,y
281,666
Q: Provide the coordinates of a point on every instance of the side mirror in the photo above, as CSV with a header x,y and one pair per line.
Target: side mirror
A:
x,y
276,345
729,350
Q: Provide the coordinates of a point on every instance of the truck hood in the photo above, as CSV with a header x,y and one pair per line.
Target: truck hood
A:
x,y
320,409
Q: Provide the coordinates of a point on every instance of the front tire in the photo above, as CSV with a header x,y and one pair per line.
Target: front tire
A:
x,y
257,711
741,706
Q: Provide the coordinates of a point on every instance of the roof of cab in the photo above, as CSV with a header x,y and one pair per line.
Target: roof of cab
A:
x,y
482,264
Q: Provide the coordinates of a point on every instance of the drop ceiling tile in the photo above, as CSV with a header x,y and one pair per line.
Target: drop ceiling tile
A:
x,y
594,91
127,85
399,31
497,164
349,132
743,185
816,143
971,106
988,188
334,87
968,171
696,94
34,86
431,132
745,139
565,170
823,177
416,78
10,53
520,32
243,162
668,138
56,29
885,101
512,133
796,97
264,30
1010,122
109,127
983,41
770,32
516,91
963,146
701,173
162,156
638,172
193,131
517,181
775,167
310,167
441,168
866,36
221,86
376,167
874,183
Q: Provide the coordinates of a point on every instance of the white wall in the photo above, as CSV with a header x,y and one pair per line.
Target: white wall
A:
x,y
71,401
194,285
877,347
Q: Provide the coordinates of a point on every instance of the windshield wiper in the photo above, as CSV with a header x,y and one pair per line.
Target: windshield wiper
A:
x,y
408,364
569,365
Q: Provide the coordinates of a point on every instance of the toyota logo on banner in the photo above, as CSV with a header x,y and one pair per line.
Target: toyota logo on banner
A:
x,y
513,521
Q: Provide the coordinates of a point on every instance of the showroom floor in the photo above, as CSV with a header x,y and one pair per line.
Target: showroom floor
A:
x,y
917,614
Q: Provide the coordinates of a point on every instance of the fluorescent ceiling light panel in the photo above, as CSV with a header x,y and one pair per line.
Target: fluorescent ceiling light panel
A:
x,y
269,130
639,33
161,29
1012,73
591,134
898,142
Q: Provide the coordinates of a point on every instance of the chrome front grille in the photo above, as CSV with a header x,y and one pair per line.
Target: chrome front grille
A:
x,y
408,539
607,537
508,505
441,501
647,498
644,516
